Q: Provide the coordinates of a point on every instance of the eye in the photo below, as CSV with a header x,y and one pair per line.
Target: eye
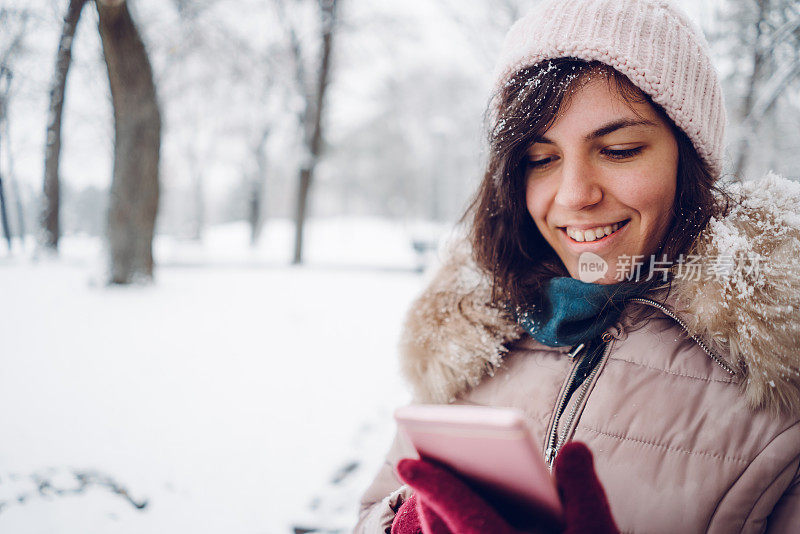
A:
x,y
613,154
622,154
539,163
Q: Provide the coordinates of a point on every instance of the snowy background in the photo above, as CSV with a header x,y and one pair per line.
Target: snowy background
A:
x,y
238,393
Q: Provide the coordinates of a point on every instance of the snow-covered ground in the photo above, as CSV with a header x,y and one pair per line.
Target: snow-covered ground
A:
x,y
228,395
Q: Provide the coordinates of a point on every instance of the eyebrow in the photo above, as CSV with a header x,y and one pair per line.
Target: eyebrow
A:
x,y
604,130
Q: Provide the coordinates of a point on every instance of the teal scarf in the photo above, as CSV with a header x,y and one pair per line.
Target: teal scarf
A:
x,y
574,311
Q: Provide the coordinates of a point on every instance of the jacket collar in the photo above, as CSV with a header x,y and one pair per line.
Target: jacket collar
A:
x,y
750,318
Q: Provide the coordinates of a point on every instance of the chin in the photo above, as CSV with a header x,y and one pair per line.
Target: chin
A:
x,y
596,277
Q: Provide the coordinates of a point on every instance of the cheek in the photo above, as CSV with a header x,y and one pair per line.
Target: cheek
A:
x,y
536,201
653,197
659,194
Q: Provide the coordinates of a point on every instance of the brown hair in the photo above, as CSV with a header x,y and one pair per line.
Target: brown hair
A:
x,y
505,241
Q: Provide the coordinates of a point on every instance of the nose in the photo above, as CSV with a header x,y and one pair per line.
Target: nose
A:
x,y
579,186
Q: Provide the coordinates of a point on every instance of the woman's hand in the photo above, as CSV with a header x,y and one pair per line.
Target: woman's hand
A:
x,y
443,504
582,496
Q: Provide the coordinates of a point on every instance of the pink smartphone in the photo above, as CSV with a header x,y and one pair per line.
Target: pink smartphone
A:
x,y
491,448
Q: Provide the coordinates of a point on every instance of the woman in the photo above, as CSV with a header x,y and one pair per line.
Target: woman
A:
x,y
614,292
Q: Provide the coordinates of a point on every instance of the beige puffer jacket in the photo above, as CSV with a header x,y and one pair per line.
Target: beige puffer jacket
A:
x,y
693,415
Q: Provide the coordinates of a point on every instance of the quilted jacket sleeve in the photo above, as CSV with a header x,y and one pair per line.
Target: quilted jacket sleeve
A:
x,y
785,517
387,493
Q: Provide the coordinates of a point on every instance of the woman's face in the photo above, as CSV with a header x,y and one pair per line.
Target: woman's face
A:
x,y
601,183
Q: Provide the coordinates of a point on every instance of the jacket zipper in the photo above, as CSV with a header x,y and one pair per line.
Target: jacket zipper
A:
x,y
549,452
554,441
721,362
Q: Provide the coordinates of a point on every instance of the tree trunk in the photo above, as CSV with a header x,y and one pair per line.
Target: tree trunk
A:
x,y
52,152
137,137
5,136
3,209
256,201
4,216
4,213
313,125
14,186
198,198
300,214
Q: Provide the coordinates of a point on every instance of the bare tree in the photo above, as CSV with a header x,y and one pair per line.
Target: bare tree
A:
x,y
137,139
197,180
257,185
5,89
198,34
222,60
52,196
5,75
767,33
6,136
275,98
16,25
312,112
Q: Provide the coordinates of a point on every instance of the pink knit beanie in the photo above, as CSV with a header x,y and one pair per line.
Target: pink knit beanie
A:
x,y
651,42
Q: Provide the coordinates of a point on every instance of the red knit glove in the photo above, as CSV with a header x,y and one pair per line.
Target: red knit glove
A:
x,y
443,504
582,496
411,516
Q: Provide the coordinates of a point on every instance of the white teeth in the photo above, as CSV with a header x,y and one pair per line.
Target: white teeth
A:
x,y
592,233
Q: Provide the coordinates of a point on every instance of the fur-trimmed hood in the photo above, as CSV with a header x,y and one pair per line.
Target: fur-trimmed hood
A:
x,y
453,337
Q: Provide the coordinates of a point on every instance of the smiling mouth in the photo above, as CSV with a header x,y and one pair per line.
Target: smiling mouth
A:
x,y
591,236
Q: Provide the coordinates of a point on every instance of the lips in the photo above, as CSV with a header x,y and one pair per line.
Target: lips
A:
x,y
592,234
